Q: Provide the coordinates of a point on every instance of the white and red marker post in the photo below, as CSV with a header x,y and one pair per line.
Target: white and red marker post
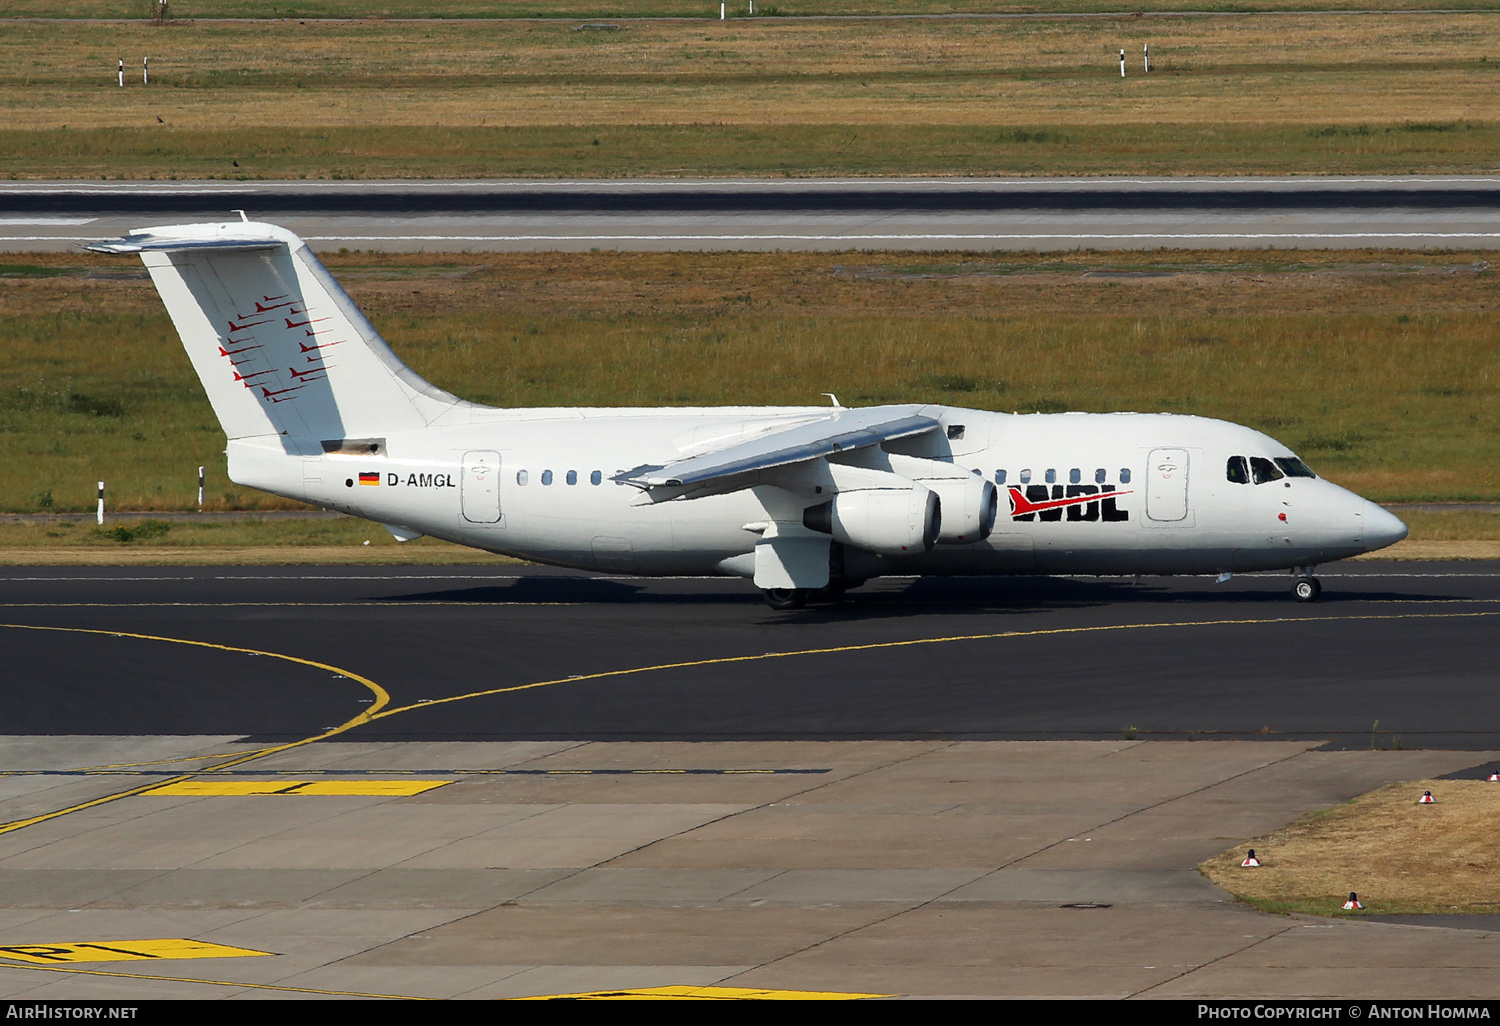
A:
x,y
122,72
1122,63
99,516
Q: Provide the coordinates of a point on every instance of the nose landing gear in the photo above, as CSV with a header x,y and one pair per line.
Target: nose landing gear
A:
x,y
1306,588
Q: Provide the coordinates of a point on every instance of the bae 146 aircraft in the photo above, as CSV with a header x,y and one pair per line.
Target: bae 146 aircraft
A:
x,y
803,501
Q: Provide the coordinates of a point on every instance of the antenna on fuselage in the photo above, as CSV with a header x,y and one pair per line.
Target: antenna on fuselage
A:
x,y
835,399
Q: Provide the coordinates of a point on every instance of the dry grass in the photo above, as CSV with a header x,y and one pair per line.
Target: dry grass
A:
x,y
1416,549
701,9
1400,857
1325,93
1397,399
1444,528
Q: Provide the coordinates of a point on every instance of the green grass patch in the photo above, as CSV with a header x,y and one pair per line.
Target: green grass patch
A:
x,y
625,151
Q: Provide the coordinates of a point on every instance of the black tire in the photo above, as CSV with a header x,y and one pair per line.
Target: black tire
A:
x,y
1306,589
785,598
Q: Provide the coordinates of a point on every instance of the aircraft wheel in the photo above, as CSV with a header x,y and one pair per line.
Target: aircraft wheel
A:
x,y
785,598
1306,589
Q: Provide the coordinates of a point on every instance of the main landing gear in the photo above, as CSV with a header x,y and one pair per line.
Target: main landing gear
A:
x,y
796,598
1305,587
786,598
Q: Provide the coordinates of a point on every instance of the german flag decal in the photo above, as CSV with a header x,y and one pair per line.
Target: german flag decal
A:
x,y
369,479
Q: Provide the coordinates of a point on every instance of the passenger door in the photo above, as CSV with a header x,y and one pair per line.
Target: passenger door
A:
x,y
1167,487
480,487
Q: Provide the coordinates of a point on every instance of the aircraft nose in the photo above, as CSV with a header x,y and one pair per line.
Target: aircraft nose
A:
x,y
1381,528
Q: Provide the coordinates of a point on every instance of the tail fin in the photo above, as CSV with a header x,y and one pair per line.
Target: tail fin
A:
x,y
279,347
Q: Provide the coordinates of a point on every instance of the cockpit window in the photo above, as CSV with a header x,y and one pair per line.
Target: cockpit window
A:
x,y
1236,470
1264,470
1294,467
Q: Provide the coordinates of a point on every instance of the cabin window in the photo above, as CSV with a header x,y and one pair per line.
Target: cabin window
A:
x,y
1263,470
522,477
1124,475
596,478
1075,475
999,477
1099,476
1051,476
1025,477
546,477
1294,467
1236,472
572,477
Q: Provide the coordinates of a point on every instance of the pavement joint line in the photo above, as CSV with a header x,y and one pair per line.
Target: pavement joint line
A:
x,y
215,983
1214,961
1047,847
380,711
936,746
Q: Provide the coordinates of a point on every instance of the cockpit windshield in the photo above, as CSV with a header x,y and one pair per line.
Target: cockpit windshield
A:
x,y
1263,470
1294,467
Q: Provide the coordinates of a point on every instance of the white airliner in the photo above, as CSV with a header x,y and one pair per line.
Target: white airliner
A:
x,y
804,501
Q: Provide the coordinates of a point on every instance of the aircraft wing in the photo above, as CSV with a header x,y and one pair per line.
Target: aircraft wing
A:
x,y
840,431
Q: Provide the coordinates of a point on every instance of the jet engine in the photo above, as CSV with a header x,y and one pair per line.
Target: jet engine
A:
x,y
970,505
889,521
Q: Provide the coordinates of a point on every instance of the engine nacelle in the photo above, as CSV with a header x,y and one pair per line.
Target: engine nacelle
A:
x,y
970,506
890,521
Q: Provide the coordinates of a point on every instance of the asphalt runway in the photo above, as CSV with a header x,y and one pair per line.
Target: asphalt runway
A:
x,y
756,214
511,781
510,654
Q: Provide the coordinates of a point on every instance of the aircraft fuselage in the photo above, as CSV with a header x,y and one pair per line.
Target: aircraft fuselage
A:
x,y
1117,493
